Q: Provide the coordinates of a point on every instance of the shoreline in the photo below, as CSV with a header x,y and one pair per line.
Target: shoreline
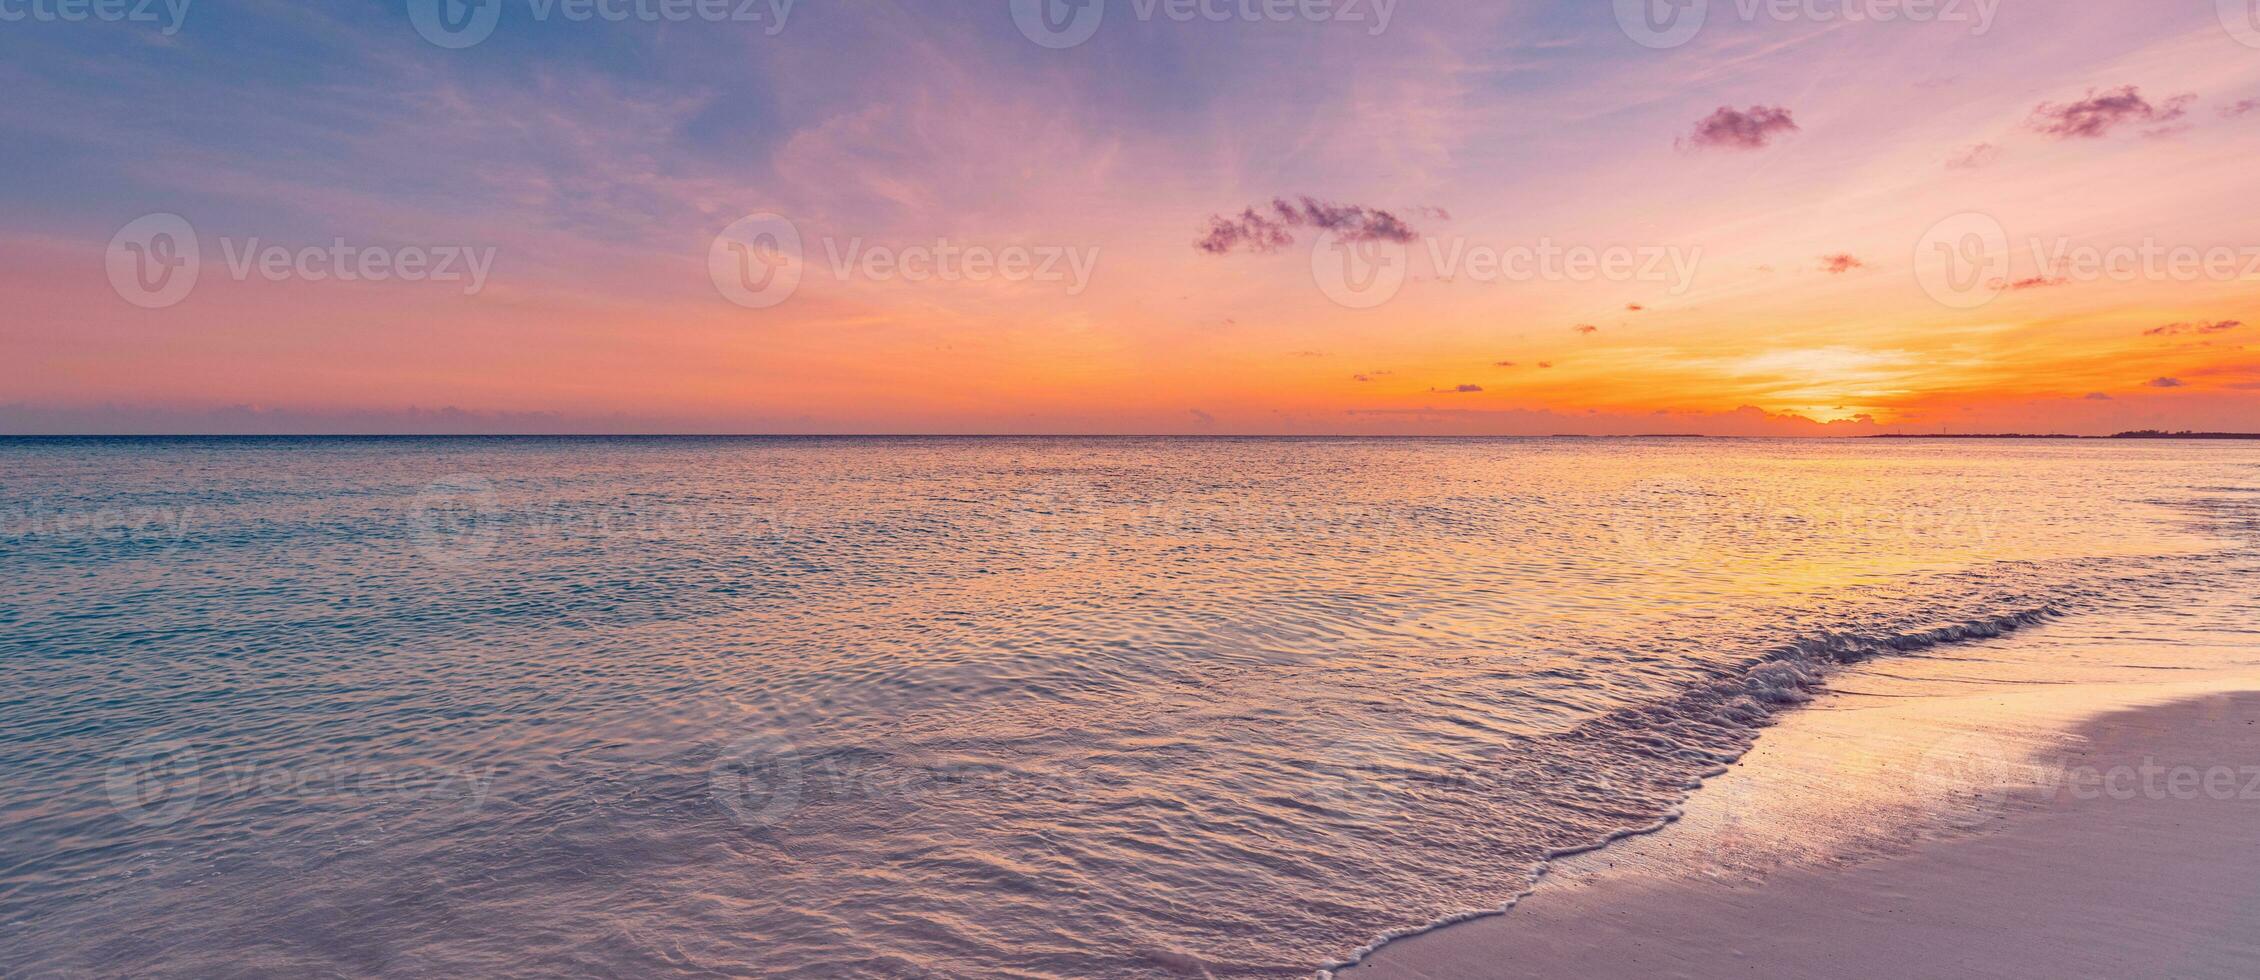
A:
x,y
1923,780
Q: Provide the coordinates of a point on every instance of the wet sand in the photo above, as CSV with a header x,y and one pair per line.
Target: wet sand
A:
x,y
1888,834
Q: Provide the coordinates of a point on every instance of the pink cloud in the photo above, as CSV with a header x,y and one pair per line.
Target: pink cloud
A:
x,y
2097,115
1745,129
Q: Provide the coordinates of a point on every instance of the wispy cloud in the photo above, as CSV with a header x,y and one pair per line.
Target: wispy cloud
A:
x,y
1271,228
1980,155
2199,327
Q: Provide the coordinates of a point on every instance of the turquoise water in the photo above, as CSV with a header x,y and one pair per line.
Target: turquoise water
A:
x,y
951,707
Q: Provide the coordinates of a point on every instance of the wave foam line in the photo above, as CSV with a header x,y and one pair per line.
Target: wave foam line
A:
x,y
1784,677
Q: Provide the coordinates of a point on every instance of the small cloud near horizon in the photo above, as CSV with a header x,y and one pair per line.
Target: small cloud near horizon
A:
x,y
1729,128
1457,390
2199,327
1587,328
2164,383
2097,396
2095,116
1634,307
1840,263
2239,108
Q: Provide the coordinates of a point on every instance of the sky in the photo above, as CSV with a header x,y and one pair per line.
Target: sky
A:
x,y
1726,217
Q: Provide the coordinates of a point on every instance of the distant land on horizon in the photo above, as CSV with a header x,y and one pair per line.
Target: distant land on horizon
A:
x,y
2137,434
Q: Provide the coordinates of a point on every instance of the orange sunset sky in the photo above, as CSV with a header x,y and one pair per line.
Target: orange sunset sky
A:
x,y
2038,222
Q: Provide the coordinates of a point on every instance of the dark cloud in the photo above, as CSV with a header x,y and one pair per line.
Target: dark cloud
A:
x,y
2239,108
1271,228
1739,129
1201,417
1503,364
2200,327
1457,390
1370,375
1587,328
2031,282
1545,364
2097,115
2097,396
1840,263
2164,382
1634,307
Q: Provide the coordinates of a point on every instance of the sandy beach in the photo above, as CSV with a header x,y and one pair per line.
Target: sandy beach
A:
x,y
1916,824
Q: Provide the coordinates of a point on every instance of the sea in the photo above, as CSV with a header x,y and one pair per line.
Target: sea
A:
x,y
956,707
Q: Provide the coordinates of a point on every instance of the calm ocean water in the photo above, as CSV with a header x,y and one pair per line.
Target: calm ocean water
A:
x,y
951,707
